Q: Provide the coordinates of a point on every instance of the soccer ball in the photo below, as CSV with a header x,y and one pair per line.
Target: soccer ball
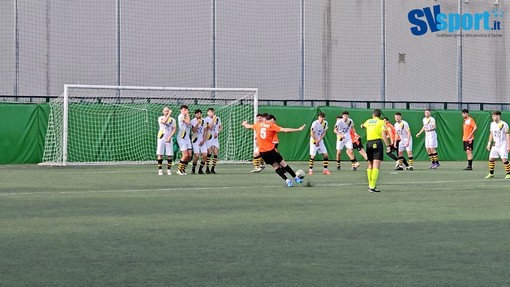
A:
x,y
300,173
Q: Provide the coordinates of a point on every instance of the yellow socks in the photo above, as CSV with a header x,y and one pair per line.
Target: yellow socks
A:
x,y
372,175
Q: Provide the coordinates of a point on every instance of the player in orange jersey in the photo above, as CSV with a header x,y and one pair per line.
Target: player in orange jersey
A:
x,y
276,141
265,132
393,139
468,137
258,164
357,144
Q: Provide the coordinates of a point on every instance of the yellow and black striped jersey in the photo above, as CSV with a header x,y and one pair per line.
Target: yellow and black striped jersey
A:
x,y
165,129
499,132
184,128
318,129
199,134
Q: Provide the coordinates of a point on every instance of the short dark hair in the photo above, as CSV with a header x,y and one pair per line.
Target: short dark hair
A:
x,y
259,115
465,111
345,113
322,115
210,109
197,111
377,113
270,117
496,113
265,115
184,107
398,114
427,109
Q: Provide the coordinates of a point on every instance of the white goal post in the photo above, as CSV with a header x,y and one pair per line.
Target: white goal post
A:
x,y
99,124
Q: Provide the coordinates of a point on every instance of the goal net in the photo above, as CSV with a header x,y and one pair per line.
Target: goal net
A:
x,y
91,124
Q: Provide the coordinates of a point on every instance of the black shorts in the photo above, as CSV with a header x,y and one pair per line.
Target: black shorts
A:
x,y
271,157
468,145
375,150
393,148
357,145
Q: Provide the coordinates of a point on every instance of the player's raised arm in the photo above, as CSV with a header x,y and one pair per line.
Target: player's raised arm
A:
x,y
291,130
166,115
206,135
246,125
194,128
174,130
186,118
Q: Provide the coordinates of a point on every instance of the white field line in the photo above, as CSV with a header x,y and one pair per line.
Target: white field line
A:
x,y
85,171
400,183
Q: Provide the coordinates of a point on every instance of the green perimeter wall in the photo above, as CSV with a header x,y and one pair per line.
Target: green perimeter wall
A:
x,y
295,146
23,128
22,131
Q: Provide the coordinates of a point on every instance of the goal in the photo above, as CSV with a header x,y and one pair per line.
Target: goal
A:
x,y
94,124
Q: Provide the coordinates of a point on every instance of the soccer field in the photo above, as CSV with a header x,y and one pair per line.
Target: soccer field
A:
x,y
127,226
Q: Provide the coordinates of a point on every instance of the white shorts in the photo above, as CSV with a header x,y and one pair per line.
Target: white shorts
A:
x,y
165,148
184,144
199,148
212,142
347,143
317,149
498,152
402,145
430,140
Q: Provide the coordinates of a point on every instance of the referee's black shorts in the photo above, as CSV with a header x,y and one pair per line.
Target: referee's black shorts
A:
x,y
375,150
271,157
